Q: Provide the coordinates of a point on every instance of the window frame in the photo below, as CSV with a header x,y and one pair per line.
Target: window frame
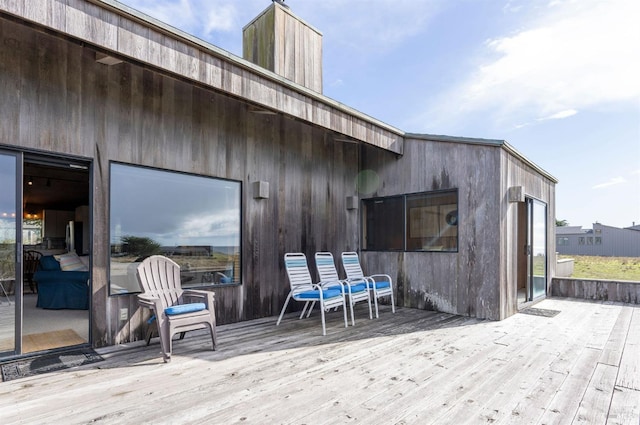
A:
x,y
406,225
182,173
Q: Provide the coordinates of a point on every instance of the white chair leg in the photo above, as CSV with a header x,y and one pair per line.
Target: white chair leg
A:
x,y
344,310
284,307
166,342
304,309
324,329
351,303
313,304
375,300
393,304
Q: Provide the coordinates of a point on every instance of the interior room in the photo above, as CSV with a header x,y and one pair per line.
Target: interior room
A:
x,y
55,293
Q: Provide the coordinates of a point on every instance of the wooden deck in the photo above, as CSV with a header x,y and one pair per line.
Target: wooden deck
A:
x,y
414,367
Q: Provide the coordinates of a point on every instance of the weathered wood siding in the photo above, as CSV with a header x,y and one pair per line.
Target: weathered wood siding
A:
x,y
466,282
480,280
623,291
283,43
57,99
516,172
124,33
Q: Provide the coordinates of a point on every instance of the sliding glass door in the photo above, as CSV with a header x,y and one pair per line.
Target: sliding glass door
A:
x,y
10,266
40,196
537,248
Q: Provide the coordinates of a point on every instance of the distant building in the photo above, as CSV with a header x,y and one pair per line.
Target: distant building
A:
x,y
606,241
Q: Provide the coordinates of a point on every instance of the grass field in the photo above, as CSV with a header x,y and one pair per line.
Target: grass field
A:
x,y
612,268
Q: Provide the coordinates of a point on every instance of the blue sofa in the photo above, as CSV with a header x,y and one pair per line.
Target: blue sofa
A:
x,y
58,289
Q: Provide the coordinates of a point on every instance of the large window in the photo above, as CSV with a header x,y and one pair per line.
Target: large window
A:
x,y
193,220
417,222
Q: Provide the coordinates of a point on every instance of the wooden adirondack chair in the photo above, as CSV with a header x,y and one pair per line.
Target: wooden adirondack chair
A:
x,y
175,310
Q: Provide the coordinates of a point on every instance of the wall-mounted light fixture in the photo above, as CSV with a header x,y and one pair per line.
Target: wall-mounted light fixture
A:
x,y
352,202
29,181
106,59
516,194
260,190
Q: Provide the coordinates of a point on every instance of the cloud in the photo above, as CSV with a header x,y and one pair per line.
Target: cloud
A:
x,y
570,56
368,26
614,181
560,115
557,116
355,23
202,18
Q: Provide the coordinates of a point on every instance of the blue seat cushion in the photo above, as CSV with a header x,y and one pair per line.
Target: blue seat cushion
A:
x,y
184,308
354,288
315,294
359,287
382,284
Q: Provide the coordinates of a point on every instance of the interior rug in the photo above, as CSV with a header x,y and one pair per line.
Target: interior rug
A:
x,y
48,363
539,312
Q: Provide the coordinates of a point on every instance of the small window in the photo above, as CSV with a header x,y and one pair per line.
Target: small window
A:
x,y
590,240
562,240
384,227
425,221
581,240
598,240
432,222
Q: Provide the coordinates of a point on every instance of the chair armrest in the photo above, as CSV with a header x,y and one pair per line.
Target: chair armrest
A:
x,y
148,301
325,283
356,280
373,276
208,297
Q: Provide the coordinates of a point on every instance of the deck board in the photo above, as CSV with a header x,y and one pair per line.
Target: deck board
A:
x,y
629,374
410,367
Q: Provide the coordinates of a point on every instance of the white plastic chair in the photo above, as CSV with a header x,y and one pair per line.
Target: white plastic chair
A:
x,y
175,310
356,290
380,285
303,289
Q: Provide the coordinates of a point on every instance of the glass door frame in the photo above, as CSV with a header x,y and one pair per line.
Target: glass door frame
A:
x,y
533,249
17,286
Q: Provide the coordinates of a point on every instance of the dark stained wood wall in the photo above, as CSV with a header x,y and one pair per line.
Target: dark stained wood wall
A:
x,y
57,99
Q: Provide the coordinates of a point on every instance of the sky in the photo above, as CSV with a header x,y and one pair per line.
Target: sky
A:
x,y
559,80
218,225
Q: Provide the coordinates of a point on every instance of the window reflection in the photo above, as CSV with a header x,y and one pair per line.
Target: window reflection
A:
x,y
193,220
426,221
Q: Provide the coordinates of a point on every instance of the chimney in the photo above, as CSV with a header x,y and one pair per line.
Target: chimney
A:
x,y
283,43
